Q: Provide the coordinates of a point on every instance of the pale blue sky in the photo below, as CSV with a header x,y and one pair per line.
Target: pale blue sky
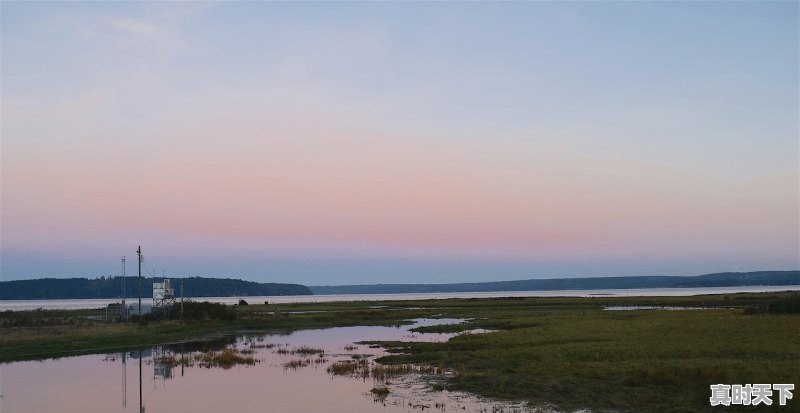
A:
x,y
348,142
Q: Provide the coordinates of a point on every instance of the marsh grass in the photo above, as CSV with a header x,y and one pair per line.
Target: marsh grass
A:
x,y
344,368
640,361
226,359
296,363
262,346
444,328
381,373
39,334
558,350
381,392
307,351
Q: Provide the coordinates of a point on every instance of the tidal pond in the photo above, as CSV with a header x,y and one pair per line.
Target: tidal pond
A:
x,y
323,370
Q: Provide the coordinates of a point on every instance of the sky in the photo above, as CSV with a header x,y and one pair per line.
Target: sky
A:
x,y
399,142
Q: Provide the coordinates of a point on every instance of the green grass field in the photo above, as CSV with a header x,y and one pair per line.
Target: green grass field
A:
x,y
658,361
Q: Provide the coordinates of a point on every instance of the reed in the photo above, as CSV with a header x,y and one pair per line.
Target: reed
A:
x,y
307,351
225,359
296,363
344,368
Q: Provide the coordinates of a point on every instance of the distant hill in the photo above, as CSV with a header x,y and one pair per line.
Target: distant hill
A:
x,y
725,279
76,288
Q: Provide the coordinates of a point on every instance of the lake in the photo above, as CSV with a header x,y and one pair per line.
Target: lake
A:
x,y
18,305
322,370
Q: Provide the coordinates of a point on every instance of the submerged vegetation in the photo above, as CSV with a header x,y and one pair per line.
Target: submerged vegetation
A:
x,y
225,359
349,368
380,373
306,351
381,392
297,363
567,352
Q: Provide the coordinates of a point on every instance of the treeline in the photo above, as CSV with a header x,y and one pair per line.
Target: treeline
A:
x,y
727,279
111,287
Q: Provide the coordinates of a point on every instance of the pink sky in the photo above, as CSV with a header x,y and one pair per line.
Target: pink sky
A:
x,y
289,157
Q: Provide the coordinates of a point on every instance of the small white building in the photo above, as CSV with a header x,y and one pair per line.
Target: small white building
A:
x,y
163,294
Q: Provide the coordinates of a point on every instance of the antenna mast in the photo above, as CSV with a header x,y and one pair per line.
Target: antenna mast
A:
x,y
123,280
139,252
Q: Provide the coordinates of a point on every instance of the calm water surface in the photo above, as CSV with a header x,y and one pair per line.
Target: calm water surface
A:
x,y
18,305
111,382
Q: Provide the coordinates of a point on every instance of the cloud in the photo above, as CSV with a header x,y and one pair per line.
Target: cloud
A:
x,y
134,26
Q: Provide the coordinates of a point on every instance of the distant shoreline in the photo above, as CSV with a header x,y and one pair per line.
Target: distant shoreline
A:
x,y
79,304
233,289
113,288
726,279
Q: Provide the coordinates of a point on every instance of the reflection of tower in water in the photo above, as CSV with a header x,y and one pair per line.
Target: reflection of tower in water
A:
x,y
124,381
164,361
141,406
138,354
162,364
160,370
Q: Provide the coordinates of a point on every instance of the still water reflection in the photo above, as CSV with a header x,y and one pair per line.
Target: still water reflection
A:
x,y
304,371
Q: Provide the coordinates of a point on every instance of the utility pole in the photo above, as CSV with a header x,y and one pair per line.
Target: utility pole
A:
x,y
139,252
125,306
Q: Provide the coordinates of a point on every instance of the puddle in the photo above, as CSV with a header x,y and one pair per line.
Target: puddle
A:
x,y
308,370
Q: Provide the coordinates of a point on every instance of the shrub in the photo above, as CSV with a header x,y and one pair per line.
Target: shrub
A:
x,y
193,310
787,305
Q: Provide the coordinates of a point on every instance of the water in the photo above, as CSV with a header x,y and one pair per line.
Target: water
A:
x,y
115,382
18,305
